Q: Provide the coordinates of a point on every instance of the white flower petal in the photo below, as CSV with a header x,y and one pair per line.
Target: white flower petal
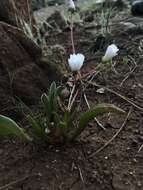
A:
x,y
110,53
76,61
71,4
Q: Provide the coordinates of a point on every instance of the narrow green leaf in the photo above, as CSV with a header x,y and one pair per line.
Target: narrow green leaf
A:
x,y
36,127
62,126
50,101
46,104
53,88
100,109
57,118
9,127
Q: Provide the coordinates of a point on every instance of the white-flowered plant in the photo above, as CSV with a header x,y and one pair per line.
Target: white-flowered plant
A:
x,y
76,61
56,121
112,51
55,124
72,4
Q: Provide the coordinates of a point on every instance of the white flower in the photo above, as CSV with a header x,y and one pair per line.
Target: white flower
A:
x,y
76,61
71,4
110,53
47,131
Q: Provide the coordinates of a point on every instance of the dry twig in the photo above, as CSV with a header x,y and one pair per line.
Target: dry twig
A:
x,y
128,75
116,134
117,94
141,147
15,182
81,175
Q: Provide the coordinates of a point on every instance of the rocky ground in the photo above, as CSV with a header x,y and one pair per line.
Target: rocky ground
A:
x,y
24,76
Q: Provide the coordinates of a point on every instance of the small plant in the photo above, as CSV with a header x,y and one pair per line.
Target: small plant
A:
x,y
57,122
105,20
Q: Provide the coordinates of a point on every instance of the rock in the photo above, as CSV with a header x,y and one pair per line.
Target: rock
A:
x,y
133,25
56,22
32,48
29,83
127,27
137,8
20,75
54,62
112,3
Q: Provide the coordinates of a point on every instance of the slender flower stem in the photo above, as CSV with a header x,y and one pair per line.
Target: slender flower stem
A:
x,y
72,39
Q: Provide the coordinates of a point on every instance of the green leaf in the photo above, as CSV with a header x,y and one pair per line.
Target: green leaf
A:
x,y
100,109
50,101
61,124
62,127
57,118
46,104
36,127
9,127
53,88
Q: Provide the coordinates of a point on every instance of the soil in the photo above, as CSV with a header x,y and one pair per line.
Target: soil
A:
x,y
119,166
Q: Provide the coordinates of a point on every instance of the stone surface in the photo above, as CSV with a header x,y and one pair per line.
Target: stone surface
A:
x,y
133,25
55,62
57,21
137,7
113,3
29,83
20,76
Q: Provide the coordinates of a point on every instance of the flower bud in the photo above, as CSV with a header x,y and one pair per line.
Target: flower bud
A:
x,y
110,53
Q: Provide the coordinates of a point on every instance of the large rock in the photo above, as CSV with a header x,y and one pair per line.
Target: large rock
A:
x,y
57,21
54,62
132,26
20,75
29,83
137,8
113,3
